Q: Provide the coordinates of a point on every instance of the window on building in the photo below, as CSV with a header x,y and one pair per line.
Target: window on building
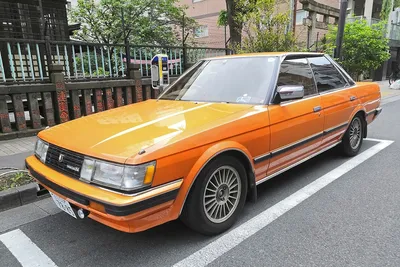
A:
x,y
201,31
300,15
297,72
326,75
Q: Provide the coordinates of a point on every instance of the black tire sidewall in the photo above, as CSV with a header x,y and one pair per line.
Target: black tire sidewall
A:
x,y
194,215
348,150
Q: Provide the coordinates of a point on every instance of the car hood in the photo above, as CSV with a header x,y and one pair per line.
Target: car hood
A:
x,y
120,133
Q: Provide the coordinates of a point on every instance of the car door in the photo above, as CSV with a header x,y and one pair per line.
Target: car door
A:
x,y
338,98
296,125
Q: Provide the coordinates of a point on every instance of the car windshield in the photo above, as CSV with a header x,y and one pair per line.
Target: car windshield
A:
x,y
233,80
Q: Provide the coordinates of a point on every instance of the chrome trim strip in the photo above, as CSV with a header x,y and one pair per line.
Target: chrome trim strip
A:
x,y
262,158
335,128
286,148
295,164
142,192
304,140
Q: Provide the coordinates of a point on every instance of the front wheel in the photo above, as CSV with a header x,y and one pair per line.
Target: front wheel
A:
x,y
353,138
217,197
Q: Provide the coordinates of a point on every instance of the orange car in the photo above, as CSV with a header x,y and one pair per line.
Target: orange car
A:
x,y
198,152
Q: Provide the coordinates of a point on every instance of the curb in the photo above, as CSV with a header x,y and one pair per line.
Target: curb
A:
x,y
14,135
18,196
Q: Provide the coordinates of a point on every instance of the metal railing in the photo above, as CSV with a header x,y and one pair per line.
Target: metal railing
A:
x,y
370,21
394,33
28,60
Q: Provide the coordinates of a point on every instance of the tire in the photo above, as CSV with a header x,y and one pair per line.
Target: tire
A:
x,y
215,212
353,138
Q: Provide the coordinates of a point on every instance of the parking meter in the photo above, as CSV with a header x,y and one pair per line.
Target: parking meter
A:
x,y
159,71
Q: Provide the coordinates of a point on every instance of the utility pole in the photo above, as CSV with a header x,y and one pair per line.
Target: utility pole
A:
x,y
127,47
225,37
342,22
183,41
294,16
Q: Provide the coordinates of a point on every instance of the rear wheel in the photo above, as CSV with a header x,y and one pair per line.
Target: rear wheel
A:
x,y
217,197
353,138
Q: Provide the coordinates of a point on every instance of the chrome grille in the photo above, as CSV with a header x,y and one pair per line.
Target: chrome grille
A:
x,y
69,163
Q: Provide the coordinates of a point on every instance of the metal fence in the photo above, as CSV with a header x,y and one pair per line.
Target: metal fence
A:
x,y
394,33
24,60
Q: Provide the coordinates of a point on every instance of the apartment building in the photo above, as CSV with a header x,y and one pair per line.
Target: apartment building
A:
x,y
209,34
206,13
370,11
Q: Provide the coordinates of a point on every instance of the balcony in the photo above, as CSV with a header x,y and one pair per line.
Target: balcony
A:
x,y
394,32
370,21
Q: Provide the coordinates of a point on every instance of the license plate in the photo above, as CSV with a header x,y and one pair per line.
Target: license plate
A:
x,y
63,205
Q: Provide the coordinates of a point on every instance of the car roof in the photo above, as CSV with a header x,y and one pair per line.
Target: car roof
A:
x,y
268,54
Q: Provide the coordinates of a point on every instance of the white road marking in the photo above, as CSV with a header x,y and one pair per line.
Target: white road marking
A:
x,y
24,250
391,99
233,238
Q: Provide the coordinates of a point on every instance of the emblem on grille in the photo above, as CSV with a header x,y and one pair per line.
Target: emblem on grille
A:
x,y
61,158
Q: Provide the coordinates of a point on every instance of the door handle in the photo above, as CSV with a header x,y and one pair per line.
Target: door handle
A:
x,y
352,98
317,109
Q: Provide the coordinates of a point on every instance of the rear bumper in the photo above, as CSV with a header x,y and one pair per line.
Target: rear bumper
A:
x,y
378,111
374,113
142,213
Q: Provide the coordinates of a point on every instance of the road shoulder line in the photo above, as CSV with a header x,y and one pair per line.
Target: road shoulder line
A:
x,y
228,241
24,250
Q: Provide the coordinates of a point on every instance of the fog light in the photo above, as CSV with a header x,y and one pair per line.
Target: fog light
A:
x,y
82,214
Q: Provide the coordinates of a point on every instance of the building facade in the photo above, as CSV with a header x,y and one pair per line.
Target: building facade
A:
x,y
209,34
370,11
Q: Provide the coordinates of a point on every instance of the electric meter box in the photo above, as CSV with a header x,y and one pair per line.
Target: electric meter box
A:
x,y
159,71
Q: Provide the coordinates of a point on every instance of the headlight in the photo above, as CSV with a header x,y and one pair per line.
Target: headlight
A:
x,y
41,150
118,176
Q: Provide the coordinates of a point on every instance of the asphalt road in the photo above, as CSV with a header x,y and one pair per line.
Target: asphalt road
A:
x,y
351,219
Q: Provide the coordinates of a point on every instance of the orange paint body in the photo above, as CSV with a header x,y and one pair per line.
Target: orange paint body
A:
x,y
182,136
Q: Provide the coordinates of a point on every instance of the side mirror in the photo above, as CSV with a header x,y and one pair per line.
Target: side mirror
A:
x,y
290,92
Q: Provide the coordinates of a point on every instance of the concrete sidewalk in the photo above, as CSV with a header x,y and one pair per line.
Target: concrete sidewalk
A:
x,y
14,152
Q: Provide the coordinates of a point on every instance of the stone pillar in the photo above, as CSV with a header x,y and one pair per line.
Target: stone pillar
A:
x,y
60,96
135,74
368,9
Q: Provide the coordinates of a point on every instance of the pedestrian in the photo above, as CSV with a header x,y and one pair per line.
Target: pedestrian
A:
x,y
395,70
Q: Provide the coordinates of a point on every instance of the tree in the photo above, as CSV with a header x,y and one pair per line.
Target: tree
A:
x,y
237,11
266,29
222,18
386,9
146,21
364,47
260,18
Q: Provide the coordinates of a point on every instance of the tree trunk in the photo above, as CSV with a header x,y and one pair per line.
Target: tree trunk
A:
x,y
235,27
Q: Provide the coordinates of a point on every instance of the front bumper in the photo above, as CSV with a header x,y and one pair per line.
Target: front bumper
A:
x,y
129,213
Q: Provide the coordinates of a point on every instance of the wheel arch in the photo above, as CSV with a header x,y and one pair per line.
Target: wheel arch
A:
x,y
360,111
227,148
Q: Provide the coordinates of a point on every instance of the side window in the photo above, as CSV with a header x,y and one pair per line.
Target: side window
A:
x,y
297,72
326,75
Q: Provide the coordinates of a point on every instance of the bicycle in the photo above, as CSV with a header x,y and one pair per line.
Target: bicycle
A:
x,y
393,77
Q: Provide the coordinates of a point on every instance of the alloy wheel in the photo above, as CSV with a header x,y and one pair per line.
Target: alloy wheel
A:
x,y
222,194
